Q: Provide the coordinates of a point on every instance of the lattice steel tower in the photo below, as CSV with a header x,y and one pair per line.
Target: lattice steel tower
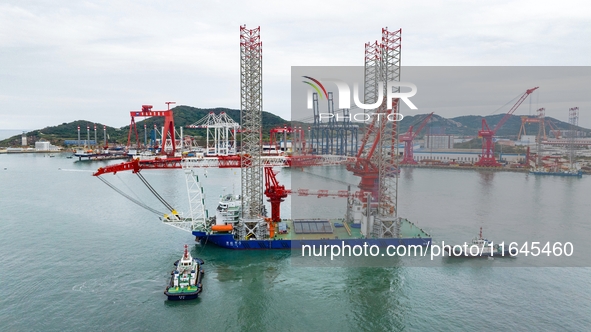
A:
x,y
386,222
573,120
377,162
251,105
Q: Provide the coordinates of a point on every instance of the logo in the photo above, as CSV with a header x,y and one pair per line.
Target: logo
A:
x,y
315,88
345,93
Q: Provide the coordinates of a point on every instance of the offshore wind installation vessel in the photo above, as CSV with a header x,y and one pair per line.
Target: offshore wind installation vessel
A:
x,y
239,223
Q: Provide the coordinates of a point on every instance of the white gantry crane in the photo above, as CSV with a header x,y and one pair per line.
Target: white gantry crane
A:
x,y
221,134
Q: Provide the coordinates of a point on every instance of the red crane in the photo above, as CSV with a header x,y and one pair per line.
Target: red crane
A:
x,y
275,192
487,158
365,166
167,134
408,138
296,134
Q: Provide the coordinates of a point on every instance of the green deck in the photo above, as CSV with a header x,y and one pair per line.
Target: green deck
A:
x,y
181,290
407,230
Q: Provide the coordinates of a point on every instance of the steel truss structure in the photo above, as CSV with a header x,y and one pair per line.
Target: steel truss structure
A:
x,y
251,105
221,133
573,121
337,136
377,158
197,213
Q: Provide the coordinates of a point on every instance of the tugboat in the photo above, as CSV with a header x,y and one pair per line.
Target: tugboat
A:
x,y
481,247
186,278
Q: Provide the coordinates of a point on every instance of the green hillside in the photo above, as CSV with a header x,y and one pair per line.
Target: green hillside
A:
x,y
187,115
469,125
183,116
65,131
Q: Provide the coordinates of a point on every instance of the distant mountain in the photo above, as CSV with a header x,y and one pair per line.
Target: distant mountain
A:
x,y
469,125
186,115
58,134
183,116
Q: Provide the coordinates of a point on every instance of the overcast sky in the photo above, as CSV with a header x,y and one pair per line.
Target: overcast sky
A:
x,y
97,60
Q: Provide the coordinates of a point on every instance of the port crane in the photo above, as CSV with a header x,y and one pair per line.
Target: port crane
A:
x,y
554,129
539,119
487,158
221,133
169,142
279,137
408,138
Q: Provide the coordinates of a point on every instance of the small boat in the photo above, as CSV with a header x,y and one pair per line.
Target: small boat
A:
x,y
481,247
185,279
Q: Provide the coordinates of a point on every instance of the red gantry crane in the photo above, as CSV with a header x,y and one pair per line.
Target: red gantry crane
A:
x,y
279,137
487,159
168,140
408,138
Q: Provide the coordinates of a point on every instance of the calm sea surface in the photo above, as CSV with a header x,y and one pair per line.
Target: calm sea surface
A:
x,y
76,255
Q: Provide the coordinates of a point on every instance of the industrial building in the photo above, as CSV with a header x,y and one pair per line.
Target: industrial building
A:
x,y
45,146
439,141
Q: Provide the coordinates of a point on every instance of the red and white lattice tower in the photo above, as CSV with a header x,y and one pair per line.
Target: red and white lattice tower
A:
x,y
386,222
251,105
376,161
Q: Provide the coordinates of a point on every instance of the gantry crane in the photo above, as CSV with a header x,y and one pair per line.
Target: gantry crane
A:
x,y
168,139
407,138
221,133
539,119
279,137
554,129
487,158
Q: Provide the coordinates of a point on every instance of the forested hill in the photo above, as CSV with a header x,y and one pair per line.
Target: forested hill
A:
x,y
186,115
183,116
470,124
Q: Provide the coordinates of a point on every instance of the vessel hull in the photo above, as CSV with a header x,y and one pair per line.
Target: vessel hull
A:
x,y
182,297
578,174
227,241
506,253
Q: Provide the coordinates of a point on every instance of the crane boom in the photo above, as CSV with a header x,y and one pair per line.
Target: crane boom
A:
x,y
408,137
487,158
422,125
512,110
